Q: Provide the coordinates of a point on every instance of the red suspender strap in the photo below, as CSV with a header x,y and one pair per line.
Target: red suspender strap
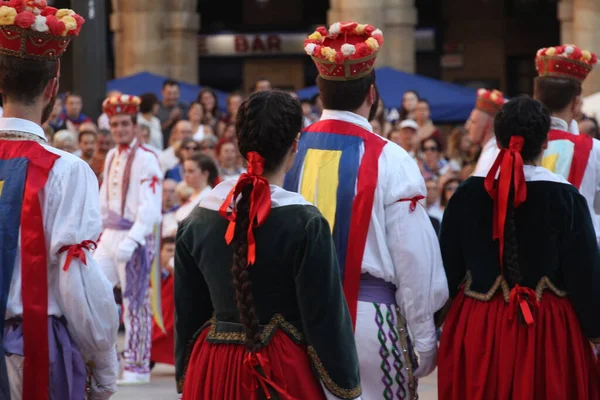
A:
x,y
581,153
34,267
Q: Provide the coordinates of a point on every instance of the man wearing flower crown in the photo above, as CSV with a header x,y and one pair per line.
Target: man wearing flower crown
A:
x,y
480,127
130,204
58,312
369,190
561,71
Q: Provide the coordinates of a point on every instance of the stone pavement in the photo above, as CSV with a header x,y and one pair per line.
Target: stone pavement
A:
x,y
163,387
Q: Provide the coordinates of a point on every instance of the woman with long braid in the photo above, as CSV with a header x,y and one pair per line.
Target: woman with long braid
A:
x,y
523,269
260,311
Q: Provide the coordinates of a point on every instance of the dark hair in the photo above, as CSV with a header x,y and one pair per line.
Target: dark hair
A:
x,y
81,134
206,163
73,94
185,142
23,80
267,123
595,131
528,118
214,95
234,94
421,100
148,102
403,111
167,240
443,198
104,132
170,82
555,93
345,95
438,144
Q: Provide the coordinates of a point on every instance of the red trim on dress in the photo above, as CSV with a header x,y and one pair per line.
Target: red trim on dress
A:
x,y
413,202
581,153
34,266
362,206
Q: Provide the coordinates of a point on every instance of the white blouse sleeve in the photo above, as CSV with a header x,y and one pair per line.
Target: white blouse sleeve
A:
x,y
421,283
149,210
82,291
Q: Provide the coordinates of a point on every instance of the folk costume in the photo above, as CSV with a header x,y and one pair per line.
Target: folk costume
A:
x,y
574,157
489,102
369,189
57,313
528,341
130,202
306,330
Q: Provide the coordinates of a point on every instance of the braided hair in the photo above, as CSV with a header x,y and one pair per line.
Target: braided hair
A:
x,y
529,119
267,123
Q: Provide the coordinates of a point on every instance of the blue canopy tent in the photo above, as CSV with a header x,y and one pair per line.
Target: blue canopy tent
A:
x,y
146,82
449,102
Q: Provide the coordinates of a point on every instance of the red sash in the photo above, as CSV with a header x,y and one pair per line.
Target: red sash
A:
x,y
581,153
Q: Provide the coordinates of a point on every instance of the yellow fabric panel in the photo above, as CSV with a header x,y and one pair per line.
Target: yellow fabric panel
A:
x,y
1,187
549,162
320,181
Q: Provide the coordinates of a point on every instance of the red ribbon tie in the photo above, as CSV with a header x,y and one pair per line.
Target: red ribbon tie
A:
x,y
510,164
76,251
525,298
259,202
153,182
253,361
413,202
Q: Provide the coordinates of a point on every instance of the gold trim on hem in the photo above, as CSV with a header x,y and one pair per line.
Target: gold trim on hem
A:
x,y
500,283
328,382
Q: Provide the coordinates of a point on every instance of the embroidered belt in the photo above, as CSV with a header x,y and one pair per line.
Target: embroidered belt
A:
x,y
501,284
232,332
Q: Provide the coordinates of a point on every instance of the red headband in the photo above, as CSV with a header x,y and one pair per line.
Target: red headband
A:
x,y
510,163
259,202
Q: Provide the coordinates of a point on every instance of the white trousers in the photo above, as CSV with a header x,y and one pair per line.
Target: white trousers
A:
x,y
138,321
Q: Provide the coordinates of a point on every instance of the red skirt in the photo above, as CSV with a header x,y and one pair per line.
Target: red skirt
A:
x,y
219,371
487,353
163,344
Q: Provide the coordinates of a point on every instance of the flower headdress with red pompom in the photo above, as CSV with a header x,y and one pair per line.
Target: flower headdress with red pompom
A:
x,y
31,29
566,61
489,101
346,51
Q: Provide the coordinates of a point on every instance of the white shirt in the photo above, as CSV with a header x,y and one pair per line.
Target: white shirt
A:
x,y
143,202
488,155
104,122
590,185
199,134
156,135
189,206
71,214
168,159
402,246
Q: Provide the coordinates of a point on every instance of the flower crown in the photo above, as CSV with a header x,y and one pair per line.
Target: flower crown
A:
x,y
314,44
489,101
121,104
566,61
32,29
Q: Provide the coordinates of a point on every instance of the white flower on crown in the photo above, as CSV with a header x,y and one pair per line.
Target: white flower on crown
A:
x,y
335,29
377,32
125,98
310,48
348,49
569,50
40,24
481,92
539,52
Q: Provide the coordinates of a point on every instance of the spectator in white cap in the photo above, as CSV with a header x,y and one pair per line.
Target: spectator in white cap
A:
x,y
405,135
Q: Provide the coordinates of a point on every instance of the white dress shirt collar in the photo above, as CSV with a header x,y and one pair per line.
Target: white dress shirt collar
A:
x,y
347,116
22,125
559,124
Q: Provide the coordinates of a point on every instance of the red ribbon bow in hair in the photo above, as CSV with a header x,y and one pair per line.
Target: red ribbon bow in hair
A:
x,y
510,164
260,371
259,202
153,182
523,297
76,251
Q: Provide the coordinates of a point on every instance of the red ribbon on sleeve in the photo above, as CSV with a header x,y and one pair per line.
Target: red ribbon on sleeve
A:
x,y
510,163
76,251
259,202
153,182
524,297
413,202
